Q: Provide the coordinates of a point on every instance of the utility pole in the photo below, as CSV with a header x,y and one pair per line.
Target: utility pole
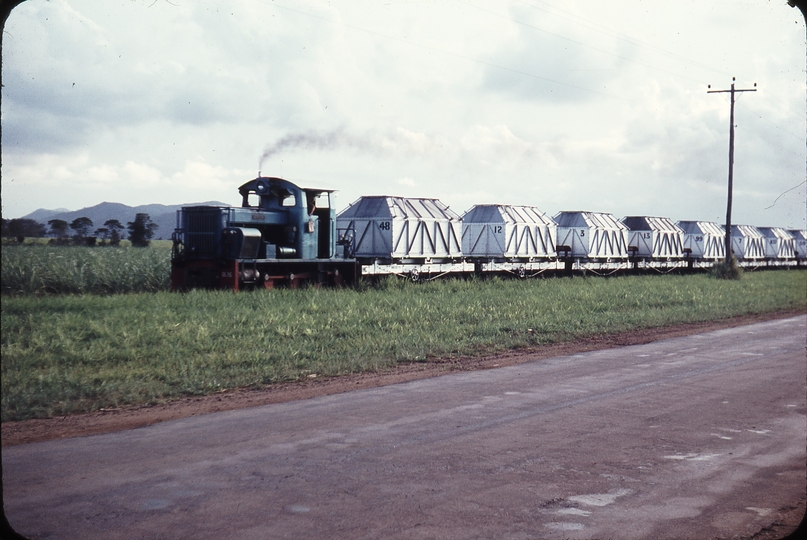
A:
x,y
731,160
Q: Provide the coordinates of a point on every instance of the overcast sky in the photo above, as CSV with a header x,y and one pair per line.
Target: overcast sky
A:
x,y
563,105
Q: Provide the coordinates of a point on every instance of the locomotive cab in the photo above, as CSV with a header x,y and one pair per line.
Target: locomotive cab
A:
x,y
294,222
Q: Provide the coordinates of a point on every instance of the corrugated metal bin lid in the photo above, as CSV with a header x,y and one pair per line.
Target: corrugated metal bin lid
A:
x,y
503,213
597,220
775,232
702,227
748,231
382,206
650,223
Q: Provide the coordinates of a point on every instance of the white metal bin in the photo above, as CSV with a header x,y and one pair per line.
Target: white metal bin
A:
x,y
779,243
591,235
800,245
507,232
383,227
703,240
656,237
747,243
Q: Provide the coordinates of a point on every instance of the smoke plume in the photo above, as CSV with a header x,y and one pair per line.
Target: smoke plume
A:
x,y
312,141
480,143
398,141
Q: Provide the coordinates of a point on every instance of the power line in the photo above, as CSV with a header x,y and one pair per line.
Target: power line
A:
x,y
801,138
577,42
615,33
447,53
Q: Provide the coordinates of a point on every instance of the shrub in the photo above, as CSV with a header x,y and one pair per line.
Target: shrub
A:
x,y
724,270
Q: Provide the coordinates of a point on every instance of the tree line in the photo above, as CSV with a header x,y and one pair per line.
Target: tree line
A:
x,y
140,231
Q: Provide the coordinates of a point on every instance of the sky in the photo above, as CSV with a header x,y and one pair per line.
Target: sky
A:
x,y
573,105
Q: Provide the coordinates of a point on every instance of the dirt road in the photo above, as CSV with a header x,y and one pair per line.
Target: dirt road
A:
x,y
690,437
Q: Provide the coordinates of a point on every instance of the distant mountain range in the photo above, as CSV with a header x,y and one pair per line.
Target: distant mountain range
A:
x,y
165,216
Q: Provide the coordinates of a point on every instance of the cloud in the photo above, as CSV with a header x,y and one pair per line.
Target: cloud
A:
x,y
460,99
87,81
547,58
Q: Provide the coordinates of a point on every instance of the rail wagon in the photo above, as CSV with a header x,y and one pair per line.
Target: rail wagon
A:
x,y
654,237
400,235
780,245
704,241
800,245
747,243
508,238
591,236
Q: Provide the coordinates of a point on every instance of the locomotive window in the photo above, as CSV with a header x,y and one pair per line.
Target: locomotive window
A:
x,y
288,200
253,200
323,200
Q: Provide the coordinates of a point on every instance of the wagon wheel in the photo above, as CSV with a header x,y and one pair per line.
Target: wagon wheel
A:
x,y
521,272
414,275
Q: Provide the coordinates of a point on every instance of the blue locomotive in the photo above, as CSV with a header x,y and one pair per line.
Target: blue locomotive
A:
x,y
281,234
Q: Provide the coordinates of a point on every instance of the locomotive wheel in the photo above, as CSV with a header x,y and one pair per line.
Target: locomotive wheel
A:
x,y
294,281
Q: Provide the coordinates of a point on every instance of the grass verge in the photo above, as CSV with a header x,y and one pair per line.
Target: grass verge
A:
x,y
79,353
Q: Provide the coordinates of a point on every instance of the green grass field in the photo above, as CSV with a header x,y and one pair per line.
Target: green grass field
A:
x,y
65,354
